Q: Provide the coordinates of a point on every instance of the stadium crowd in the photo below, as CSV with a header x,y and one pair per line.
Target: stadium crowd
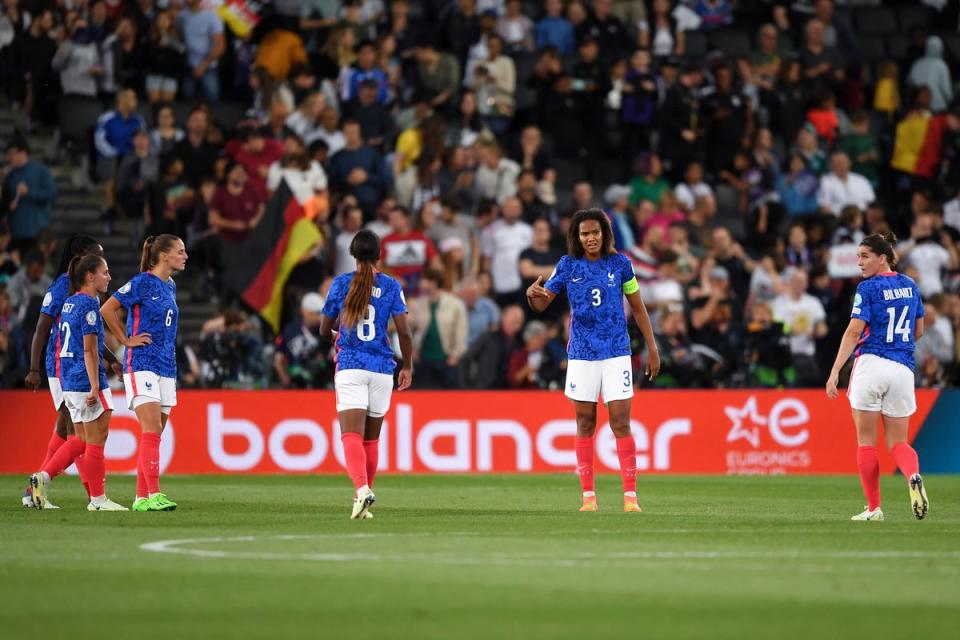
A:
x,y
741,150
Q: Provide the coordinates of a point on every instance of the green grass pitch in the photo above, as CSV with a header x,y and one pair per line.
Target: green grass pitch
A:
x,y
499,556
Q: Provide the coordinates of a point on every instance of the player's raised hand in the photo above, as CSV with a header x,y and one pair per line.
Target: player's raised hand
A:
x,y
832,382
653,364
405,379
138,340
537,290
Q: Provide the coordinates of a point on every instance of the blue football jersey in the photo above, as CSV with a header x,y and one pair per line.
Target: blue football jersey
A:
x,y
152,308
79,317
56,293
367,345
598,326
890,304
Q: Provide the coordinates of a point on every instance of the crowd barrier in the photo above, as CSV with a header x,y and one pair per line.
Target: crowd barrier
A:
x,y
695,432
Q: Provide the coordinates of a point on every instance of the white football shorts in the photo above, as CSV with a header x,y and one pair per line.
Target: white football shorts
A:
x,y
879,384
144,387
77,405
361,389
588,379
56,392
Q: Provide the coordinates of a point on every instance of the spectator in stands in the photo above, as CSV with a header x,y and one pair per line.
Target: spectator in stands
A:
x,y
451,223
789,101
539,260
649,183
523,370
406,252
660,31
438,75
231,353
439,323
842,187
528,190
822,64
693,187
486,362
425,138
357,169
496,176
713,13
932,72
482,313
515,28
640,95
609,32
166,134
553,29
680,364
804,318
731,120
495,83
28,195
617,198
681,132
314,120
28,284
300,361
767,350
114,141
256,153
716,320
349,222
78,61
304,177
279,51
165,59
238,206
806,145
137,175
365,68
862,148
729,254
665,289
124,58
202,32
929,253
31,56
376,122
502,243
765,61
197,154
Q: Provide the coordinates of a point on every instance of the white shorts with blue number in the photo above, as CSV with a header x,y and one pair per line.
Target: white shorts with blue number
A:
x,y
588,379
362,389
879,384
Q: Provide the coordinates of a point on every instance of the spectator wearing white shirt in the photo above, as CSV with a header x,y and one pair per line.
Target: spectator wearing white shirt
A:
x,y
694,187
351,223
305,177
502,243
804,318
928,254
496,176
842,187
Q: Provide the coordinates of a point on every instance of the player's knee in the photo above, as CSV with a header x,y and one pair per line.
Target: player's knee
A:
x,y
586,427
621,429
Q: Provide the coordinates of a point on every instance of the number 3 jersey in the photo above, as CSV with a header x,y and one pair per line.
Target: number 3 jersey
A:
x,y
79,317
598,326
151,306
890,304
367,345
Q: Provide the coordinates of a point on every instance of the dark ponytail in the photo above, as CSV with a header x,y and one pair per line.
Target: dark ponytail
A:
x,y
78,244
882,245
365,247
79,268
153,246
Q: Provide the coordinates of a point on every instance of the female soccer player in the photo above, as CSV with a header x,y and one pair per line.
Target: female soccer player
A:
x,y
85,390
365,300
46,336
150,357
886,320
595,278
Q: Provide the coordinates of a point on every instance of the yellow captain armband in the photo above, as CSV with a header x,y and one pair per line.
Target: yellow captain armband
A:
x,y
631,286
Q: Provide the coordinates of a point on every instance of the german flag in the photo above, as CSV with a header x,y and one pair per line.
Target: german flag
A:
x,y
257,268
917,145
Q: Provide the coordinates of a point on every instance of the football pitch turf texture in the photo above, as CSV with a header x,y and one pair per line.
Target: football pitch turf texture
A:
x,y
493,556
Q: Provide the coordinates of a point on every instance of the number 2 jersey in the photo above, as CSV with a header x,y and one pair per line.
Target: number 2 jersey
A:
x,y
595,288
151,306
79,317
57,292
367,345
890,304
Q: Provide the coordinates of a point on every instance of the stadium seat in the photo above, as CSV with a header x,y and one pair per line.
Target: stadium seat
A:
x,y
910,16
77,115
695,44
525,97
734,43
227,113
870,48
876,20
897,46
951,45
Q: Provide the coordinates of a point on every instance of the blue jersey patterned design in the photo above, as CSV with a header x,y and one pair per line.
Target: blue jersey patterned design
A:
x,y
598,326
53,299
79,317
890,304
152,308
367,345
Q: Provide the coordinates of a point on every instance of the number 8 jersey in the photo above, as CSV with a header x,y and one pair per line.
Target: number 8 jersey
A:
x,y
151,306
367,345
890,304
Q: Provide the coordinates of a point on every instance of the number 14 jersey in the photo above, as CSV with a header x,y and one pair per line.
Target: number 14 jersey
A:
x,y
890,304
367,345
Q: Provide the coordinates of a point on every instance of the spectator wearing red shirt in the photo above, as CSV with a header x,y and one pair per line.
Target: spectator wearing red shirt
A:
x,y
237,206
256,153
405,252
524,368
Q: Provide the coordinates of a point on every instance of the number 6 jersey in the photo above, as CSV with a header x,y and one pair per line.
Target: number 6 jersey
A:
x,y
151,306
890,304
367,345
